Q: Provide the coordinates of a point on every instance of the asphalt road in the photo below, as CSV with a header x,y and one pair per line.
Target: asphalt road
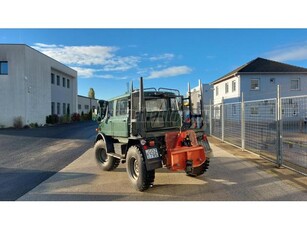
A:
x,y
30,156
232,176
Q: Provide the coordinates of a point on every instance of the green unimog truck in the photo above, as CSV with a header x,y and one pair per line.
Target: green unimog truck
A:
x,y
147,129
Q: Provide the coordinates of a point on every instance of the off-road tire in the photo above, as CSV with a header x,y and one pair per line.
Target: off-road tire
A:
x,y
197,171
140,178
105,162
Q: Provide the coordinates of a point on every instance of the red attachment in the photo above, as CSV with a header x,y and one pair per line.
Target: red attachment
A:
x,y
178,155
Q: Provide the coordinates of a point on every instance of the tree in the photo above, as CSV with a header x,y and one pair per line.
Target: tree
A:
x,y
91,93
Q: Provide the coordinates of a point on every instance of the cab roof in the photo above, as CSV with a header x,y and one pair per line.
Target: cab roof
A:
x,y
146,94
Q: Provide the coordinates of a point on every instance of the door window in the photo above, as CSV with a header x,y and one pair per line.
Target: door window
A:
x,y
121,107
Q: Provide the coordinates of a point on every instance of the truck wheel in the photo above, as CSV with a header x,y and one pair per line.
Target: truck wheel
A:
x,y
137,173
105,162
197,171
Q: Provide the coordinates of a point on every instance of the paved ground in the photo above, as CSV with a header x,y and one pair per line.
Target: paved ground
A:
x,y
233,176
30,156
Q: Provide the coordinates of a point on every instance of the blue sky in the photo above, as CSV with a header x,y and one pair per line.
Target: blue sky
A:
x,y
107,59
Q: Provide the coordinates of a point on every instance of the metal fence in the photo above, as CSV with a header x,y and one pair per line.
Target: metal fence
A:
x,y
274,128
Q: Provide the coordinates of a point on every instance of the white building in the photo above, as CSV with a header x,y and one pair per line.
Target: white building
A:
x,y
197,97
33,86
258,79
85,104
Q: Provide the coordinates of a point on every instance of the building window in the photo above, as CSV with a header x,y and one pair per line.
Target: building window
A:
x,y
255,84
58,108
234,110
57,79
86,107
68,109
64,108
4,68
234,86
52,78
295,84
216,91
52,108
254,110
79,106
64,82
226,87
68,83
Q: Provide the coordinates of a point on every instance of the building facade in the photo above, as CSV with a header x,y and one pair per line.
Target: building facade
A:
x,y
258,80
85,104
33,86
197,97
257,83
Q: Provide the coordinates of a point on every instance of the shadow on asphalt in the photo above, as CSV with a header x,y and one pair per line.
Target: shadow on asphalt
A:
x,y
61,131
29,179
80,197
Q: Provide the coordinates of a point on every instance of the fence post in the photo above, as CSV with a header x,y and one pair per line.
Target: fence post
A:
x,y
210,117
279,156
242,123
223,118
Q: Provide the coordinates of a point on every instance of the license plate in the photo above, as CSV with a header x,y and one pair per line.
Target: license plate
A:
x,y
151,153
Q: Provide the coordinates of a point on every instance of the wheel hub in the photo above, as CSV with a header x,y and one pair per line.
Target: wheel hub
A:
x,y
136,168
103,155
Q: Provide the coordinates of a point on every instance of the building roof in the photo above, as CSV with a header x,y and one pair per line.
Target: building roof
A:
x,y
57,64
261,65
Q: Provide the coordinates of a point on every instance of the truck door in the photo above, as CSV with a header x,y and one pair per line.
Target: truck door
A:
x,y
107,122
120,118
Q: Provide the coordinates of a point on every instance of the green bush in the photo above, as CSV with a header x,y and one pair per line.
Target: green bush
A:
x,y
52,119
76,117
33,125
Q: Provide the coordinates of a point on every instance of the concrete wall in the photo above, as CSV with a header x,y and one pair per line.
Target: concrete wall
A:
x,y
221,90
258,105
62,94
207,94
195,99
26,91
13,87
268,85
85,104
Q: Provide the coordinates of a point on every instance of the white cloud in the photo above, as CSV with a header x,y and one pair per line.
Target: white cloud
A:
x,y
78,55
291,53
85,72
95,73
166,56
121,63
109,76
170,72
102,56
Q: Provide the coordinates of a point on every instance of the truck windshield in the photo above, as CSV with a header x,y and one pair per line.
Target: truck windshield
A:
x,y
156,105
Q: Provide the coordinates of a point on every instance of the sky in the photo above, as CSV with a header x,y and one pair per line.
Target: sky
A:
x,y
109,59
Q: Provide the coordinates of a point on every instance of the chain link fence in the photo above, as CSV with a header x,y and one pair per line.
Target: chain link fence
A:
x,y
274,128
294,130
